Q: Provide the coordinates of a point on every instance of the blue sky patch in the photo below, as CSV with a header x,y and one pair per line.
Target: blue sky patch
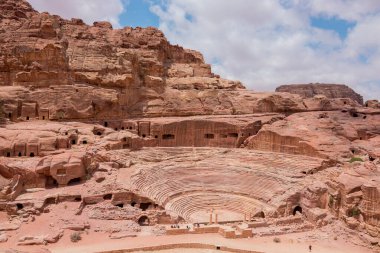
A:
x,y
340,26
138,14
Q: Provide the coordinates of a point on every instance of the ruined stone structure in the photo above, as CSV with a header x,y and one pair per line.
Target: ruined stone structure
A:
x,y
118,132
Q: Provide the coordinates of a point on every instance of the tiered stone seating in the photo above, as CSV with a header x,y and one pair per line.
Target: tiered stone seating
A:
x,y
239,183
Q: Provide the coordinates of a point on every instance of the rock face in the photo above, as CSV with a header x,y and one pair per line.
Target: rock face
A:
x,y
328,90
355,195
319,134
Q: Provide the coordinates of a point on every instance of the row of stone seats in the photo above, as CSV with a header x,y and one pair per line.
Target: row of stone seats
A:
x,y
188,205
260,177
162,183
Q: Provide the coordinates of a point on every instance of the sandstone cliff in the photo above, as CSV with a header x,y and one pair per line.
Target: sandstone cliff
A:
x,y
335,135
64,69
328,90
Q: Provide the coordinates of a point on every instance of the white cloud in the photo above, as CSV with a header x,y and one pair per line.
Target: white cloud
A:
x,y
88,10
269,43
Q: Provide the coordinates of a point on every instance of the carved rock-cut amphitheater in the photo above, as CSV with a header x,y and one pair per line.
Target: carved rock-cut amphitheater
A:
x,y
114,140
229,185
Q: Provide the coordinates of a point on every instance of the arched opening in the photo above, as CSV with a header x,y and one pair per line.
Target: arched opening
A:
x,y
297,209
84,142
260,215
19,206
8,154
31,154
107,197
43,117
143,135
51,182
106,124
27,117
19,154
73,142
145,206
143,221
74,181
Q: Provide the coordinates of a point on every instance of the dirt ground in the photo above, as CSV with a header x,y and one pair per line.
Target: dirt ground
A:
x,y
320,240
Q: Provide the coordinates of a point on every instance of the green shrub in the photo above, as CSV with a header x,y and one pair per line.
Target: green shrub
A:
x,y
75,237
354,212
356,159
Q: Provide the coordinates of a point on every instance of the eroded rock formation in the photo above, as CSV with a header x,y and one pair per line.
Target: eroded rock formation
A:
x,y
328,90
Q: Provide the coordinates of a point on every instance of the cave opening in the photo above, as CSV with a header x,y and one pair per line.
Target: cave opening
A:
x,y
297,209
51,182
143,221
209,136
107,197
74,181
145,206
168,137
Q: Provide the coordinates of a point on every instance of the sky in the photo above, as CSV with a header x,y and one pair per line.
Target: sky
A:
x,y
265,43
